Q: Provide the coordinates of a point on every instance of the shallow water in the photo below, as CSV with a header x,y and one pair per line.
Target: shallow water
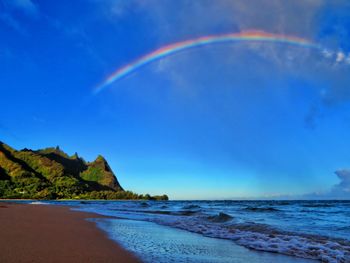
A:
x,y
156,243
305,229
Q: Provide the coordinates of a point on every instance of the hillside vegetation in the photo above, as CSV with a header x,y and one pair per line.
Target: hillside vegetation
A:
x,y
52,174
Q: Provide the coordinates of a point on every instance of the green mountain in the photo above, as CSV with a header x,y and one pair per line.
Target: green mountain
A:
x,y
52,174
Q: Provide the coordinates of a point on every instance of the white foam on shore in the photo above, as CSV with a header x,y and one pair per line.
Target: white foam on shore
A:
x,y
156,243
38,203
259,237
255,232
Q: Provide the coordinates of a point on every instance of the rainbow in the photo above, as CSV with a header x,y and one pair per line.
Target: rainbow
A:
x,y
258,36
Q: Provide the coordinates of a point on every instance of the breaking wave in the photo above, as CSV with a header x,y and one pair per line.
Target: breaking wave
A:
x,y
220,218
266,238
306,229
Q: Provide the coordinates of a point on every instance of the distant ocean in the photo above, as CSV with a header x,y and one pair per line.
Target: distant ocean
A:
x,y
318,230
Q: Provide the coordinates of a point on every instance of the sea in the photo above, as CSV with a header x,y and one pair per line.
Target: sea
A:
x,y
226,231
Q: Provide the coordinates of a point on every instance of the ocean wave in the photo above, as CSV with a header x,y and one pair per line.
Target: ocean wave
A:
x,y
241,223
261,209
144,204
220,218
266,238
85,202
159,212
294,245
191,207
185,213
317,205
283,203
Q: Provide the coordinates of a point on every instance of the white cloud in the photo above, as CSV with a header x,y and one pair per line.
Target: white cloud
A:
x,y
337,191
343,188
340,57
327,53
336,56
347,60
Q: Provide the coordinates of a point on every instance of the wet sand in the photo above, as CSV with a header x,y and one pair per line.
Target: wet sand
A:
x,y
43,233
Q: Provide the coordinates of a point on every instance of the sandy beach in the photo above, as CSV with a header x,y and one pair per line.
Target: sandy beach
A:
x,y
43,233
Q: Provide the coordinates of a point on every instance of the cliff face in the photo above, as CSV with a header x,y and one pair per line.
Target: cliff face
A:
x,y
51,173
100,172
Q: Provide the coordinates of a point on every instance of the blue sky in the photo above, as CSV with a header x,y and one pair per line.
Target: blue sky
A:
x,y
237,120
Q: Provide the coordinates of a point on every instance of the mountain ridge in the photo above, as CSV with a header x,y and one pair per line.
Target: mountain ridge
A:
x,y
50,173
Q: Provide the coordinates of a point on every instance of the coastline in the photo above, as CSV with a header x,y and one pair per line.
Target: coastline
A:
x,y
46,233
142,239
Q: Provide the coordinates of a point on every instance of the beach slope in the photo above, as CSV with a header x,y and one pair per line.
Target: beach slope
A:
x,y
43,233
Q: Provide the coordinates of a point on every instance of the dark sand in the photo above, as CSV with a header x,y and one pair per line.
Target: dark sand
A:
x,y
43,233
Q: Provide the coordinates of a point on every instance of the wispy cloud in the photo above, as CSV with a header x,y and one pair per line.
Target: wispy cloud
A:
x,y
312,116
26,6
12,23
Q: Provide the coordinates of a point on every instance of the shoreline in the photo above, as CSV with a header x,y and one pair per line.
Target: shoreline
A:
x,y
128,234
46,233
